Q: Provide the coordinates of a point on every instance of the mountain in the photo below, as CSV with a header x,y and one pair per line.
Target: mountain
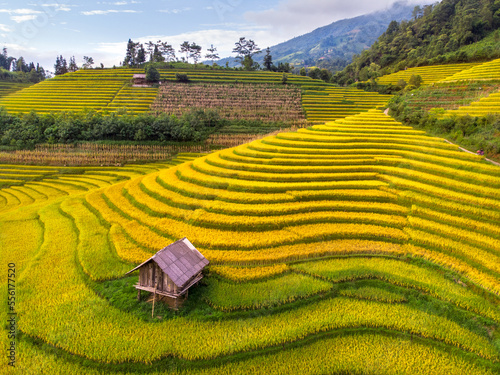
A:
x,y
437,34
334,45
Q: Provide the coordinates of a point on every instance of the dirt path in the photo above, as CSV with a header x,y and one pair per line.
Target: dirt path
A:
x,y
473,153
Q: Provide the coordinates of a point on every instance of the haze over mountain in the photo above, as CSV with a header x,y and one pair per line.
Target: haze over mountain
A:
x,y
334,45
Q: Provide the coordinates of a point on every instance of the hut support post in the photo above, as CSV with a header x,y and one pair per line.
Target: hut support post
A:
x,y
138,294
154,297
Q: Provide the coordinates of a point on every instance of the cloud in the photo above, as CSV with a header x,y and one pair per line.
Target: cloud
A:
x,y
109,11
223,40
22,14
20,11
20,19
58,7
175,11
118,2
5,28
296,17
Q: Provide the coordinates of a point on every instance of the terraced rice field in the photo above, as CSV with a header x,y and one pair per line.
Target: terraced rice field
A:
x,y
450,95
429,74
355,246
7,87
484,106
110,90
330,103
22,185
488,71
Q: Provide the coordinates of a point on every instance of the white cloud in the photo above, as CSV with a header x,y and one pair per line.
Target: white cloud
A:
x,y
105,12
175,11
296,17
223,40
118,2
16,49
20,11
20,19
5,28
109,11
22,14
58,7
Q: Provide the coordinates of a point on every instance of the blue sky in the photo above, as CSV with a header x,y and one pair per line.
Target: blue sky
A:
x,y
40,30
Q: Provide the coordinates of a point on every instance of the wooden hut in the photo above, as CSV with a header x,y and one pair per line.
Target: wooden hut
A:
x,y
140,80
171,271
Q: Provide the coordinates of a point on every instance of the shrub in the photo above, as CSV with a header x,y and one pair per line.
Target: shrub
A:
x,y
181,77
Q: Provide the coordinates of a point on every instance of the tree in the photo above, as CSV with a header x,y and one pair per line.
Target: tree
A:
x,y
6,60
21,66
284,78
72,67
168,51
34,76
185,48
325,75
212,54
131,54
181,77
57,66
303,72
268,60
245,50
314,73
249,64
195,52
152,74
87,62
417,13
415,80
141,54
284,67
61,66
157,55
150,47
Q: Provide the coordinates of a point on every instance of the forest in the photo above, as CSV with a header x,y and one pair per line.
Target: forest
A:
x,y
437,34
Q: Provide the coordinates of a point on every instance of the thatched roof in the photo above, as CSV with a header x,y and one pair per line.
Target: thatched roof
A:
x,y
180,261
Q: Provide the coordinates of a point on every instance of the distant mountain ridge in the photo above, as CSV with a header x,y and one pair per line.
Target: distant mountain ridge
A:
x,y
333,46
451,31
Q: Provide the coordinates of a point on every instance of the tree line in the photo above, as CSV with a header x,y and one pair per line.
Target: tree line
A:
x,y
62,66
68,127
158,52
19,70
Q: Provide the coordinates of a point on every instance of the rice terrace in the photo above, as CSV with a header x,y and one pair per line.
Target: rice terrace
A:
x,y
169,217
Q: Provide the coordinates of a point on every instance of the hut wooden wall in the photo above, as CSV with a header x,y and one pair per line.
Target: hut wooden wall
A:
x,y
151,274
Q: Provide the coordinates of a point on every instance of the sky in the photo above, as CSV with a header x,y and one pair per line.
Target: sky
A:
x,y
40,30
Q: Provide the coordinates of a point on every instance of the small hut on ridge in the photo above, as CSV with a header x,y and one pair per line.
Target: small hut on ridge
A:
x,y
171,271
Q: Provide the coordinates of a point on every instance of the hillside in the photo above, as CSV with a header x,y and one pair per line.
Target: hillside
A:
x,y
356,246
438,34
111,89
460,102
333,46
